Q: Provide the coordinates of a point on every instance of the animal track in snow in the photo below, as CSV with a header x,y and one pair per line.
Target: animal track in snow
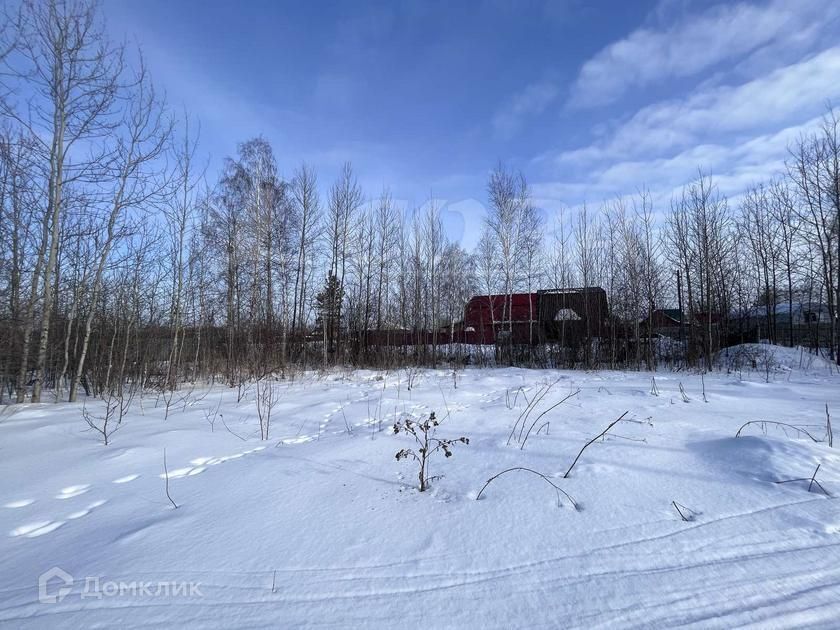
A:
x,y
189,471
125,479
39,528
19,504
86,511
72,491
300,439
200,464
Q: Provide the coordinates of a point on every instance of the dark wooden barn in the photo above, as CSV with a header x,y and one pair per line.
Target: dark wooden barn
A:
x,y
488,318
564,316
570,315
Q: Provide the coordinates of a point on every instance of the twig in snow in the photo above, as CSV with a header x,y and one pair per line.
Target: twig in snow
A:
x,y
538,474
166,478
600,435
811,481
648,421
522,391
814,479
686,514
534,423
381,395
346,424
628,438
780,424
442,395
512,405
229,430
532,404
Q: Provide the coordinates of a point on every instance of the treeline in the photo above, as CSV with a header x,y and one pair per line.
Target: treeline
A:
x,y
123,267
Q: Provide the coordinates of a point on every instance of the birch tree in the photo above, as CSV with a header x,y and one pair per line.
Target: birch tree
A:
x,y
72,72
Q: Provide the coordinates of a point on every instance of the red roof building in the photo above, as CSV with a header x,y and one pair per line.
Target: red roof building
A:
x,y
561,315
490,316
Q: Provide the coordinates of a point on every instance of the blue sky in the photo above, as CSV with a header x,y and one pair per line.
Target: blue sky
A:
x,y
589,99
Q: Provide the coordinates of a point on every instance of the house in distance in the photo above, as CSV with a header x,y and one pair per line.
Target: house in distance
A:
x,y
562,316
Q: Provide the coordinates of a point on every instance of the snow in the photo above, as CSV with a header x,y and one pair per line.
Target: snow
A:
x,y
321,526
773,358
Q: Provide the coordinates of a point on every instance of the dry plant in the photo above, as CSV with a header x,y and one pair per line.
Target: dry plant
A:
x,y
190,398
268,398
411,374
511,404
812,481
211,414
546,424
597,437
108,422
686,514
654,390
544,477
166,481
428,444
518,428
557,488
783,425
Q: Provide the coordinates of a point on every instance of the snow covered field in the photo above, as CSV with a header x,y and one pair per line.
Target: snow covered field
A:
x,y
321,526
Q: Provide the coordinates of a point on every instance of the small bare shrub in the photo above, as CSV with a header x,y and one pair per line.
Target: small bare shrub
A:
x,y
107,422
268,396
212,414
427,445
411,374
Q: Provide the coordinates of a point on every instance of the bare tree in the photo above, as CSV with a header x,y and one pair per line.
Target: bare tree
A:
x,y
73,73
344,202
761,230
509,206
701,235
782,211
814,169
308,208
142,138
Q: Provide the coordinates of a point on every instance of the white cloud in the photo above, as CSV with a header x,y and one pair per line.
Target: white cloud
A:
x,y
697,42
777,99
533,100
734,166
